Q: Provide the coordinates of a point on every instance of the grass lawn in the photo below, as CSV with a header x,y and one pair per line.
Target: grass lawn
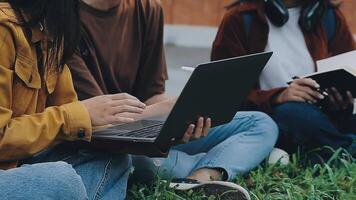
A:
x,y
296,181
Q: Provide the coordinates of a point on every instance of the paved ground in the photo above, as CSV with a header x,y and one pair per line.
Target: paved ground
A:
x,y
178,57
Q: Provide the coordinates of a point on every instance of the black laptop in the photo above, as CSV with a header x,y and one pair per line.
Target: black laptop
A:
x,y
215,89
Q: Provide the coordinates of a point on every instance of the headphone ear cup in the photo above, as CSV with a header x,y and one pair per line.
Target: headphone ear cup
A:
x,y
276,12
312,14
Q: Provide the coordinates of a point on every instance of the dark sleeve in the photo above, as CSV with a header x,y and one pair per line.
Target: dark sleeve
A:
x,y
84,83
231,41
343,40
153,70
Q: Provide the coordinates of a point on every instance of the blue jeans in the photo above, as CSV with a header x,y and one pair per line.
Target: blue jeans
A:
x,y
103,176
56,180
236,147
306,126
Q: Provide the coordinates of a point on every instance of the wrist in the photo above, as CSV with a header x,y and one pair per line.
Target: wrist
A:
x,y
277,99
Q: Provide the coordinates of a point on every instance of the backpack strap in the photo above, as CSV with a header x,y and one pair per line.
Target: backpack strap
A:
x,y
247,17
329,23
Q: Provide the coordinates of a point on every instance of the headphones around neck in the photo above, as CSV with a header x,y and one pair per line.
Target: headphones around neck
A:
x,y
311,14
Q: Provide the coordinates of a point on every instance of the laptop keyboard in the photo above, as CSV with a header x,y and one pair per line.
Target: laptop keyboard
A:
x,y
147,132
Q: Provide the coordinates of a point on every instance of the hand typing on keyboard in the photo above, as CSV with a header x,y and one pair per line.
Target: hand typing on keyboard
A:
x,y
197,131
111,109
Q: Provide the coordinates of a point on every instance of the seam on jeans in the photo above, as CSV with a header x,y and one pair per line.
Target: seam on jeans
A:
x,y
210,163
251,122
103,180
251,127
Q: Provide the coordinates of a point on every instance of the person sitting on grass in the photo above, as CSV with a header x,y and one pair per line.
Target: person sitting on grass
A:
x,y
39,110
122,51
285,27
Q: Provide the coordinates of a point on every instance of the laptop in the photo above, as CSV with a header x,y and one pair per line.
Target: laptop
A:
x,y
215,90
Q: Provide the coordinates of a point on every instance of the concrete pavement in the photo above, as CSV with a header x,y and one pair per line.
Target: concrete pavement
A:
x,y
178,57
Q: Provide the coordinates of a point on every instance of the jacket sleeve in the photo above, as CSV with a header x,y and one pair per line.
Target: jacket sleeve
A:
x,y
231,41
26,135
343,40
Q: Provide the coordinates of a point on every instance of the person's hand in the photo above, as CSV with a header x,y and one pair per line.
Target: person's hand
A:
x,y
300,90
162,108
337,104
111,109
195,132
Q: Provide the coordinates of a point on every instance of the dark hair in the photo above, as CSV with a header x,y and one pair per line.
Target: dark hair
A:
x,y
61,22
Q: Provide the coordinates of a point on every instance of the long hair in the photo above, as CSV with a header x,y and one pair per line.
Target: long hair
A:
x,y
61,22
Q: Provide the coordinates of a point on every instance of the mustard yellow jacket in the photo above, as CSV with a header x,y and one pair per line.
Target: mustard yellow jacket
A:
x,y
35,111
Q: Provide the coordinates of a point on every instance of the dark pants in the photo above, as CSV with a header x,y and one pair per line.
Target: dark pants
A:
x,y
305,125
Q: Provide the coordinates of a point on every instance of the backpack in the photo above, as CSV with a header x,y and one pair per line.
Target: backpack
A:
x,y
329,22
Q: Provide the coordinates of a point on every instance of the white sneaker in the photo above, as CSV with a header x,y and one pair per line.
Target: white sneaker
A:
x,y
220,189
278,155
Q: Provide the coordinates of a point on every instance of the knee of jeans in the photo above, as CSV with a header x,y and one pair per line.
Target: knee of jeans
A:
x,y
267,124
293,109
64,180
301,116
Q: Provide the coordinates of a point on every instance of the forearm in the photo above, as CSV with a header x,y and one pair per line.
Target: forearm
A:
x,y
159,98
160,108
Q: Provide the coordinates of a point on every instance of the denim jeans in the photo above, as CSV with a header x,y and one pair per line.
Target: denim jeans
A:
x,y
56,180
236,147
305,125
103,176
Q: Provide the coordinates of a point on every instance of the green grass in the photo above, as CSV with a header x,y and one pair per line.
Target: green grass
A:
x,y
296,181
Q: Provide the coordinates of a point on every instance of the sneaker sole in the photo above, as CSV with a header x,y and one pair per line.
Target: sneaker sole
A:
x,y
187,186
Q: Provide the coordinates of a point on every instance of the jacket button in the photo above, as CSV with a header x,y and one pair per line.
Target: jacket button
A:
x,y
81,133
